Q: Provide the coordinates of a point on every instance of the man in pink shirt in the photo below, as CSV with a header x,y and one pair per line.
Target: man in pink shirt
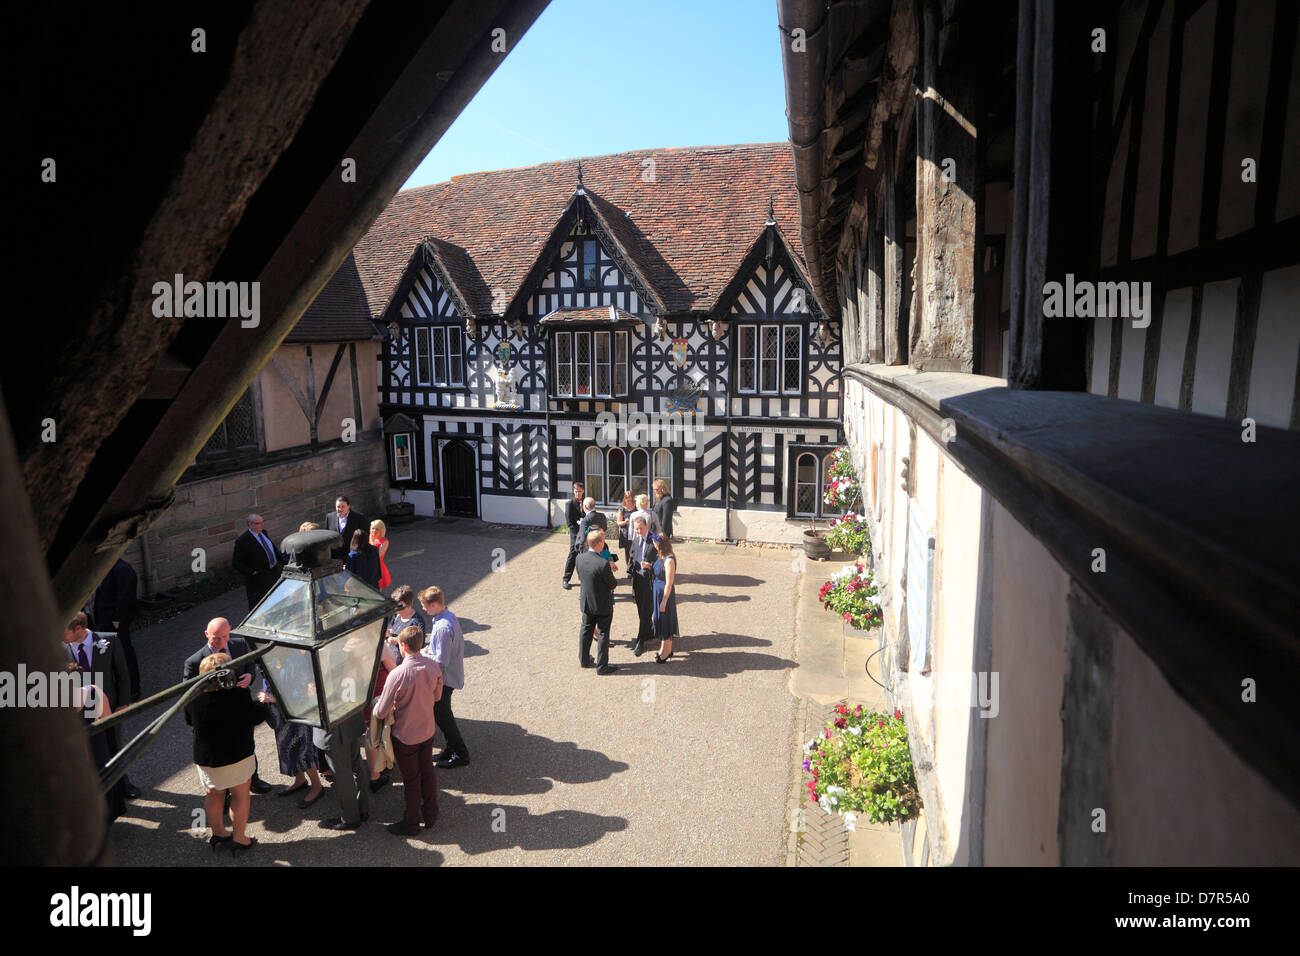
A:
x,y
409,695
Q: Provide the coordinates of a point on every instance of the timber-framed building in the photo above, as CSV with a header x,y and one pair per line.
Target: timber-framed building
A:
x,y
560,323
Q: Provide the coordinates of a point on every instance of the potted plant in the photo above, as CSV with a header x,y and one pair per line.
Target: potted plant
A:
x,y
814,543
850,533
851,593
861,763
400,512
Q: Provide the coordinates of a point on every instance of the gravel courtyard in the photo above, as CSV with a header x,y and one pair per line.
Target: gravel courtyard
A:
x,y
688,762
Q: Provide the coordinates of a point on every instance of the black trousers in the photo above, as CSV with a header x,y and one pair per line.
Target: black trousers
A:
x,y
601,626
643,589
351,781
446,722
132,664
572,559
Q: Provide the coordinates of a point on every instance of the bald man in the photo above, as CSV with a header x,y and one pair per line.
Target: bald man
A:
x,y
219,641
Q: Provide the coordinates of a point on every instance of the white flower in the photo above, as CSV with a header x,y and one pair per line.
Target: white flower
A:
x,y
850,821
824,804
102,644
855,731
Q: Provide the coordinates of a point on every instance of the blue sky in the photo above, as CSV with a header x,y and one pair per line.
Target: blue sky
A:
x,y
605,76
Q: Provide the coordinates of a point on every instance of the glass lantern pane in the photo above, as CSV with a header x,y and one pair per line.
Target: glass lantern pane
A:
x,y
342,596
292,682
286,610
347,669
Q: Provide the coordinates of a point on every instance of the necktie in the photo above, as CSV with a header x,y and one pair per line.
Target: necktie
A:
x,y
266,546
82,661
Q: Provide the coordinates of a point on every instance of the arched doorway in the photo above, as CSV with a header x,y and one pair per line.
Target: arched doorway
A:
x,y
459,479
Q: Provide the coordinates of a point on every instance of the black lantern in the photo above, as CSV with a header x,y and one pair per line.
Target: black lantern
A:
x,y
326,628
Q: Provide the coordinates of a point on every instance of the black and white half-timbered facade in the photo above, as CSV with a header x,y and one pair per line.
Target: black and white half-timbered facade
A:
x,y
631,318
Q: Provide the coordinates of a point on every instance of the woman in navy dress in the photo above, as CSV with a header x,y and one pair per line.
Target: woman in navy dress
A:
x,y
665,597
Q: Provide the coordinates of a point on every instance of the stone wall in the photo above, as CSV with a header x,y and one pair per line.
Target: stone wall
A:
x,y
210,513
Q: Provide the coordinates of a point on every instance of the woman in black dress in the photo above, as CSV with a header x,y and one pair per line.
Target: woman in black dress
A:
x,y
363,559
664,506
665,597
223,722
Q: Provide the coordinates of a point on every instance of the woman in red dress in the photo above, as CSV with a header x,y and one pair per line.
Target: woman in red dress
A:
x,y
378,530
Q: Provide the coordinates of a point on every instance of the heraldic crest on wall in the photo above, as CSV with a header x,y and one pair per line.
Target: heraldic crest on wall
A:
x,y
505,377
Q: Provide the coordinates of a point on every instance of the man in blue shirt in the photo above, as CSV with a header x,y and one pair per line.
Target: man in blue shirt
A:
x,y
447,647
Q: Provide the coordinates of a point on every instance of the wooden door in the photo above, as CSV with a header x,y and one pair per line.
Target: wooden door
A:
x,y
459,475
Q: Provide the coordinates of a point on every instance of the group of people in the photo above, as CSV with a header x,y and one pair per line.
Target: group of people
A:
x,y
421,666
644,537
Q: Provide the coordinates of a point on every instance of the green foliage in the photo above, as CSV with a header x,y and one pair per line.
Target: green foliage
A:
x,y
851,593
850,533
860,764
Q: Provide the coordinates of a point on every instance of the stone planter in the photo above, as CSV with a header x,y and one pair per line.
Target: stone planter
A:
x,y
815,546
400,512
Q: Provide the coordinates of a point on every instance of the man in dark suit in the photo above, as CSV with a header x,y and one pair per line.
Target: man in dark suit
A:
x,y
101,655
256,560
572,515
597,603
343,522
220,642
114,609
643,584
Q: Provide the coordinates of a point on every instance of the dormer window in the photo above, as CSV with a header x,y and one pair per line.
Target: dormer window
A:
x,y
439,356
769,359
589,264
590,349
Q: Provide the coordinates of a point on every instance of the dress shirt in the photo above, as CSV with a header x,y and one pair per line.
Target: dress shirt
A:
x,y
447,647
266,546
412,688
639,550
87,644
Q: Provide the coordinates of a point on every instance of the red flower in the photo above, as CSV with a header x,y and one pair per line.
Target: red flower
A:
x,y
881,724
898,715
827,732
841,723
848,616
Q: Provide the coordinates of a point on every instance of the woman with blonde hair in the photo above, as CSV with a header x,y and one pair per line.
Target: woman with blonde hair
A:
x,y
378,537
643,511
223,719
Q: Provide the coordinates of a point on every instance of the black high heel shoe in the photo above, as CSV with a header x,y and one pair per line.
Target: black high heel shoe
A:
x,y
216,842
240,848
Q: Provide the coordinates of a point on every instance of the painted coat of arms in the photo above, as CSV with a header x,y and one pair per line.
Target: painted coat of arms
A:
x,y
679,352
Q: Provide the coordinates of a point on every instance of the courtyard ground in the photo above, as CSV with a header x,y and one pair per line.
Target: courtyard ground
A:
x,y
689,762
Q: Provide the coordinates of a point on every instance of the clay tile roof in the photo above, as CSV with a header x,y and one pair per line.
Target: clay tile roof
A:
x,y
599,315
339,313
685,230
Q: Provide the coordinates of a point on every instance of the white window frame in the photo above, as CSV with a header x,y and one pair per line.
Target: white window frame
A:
x,y
594,453
422,337
752,359
578,367
598,366
816,485
567,363
617,365
610,497
408,458
434,343
654,459
658,475
797,332
759,351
